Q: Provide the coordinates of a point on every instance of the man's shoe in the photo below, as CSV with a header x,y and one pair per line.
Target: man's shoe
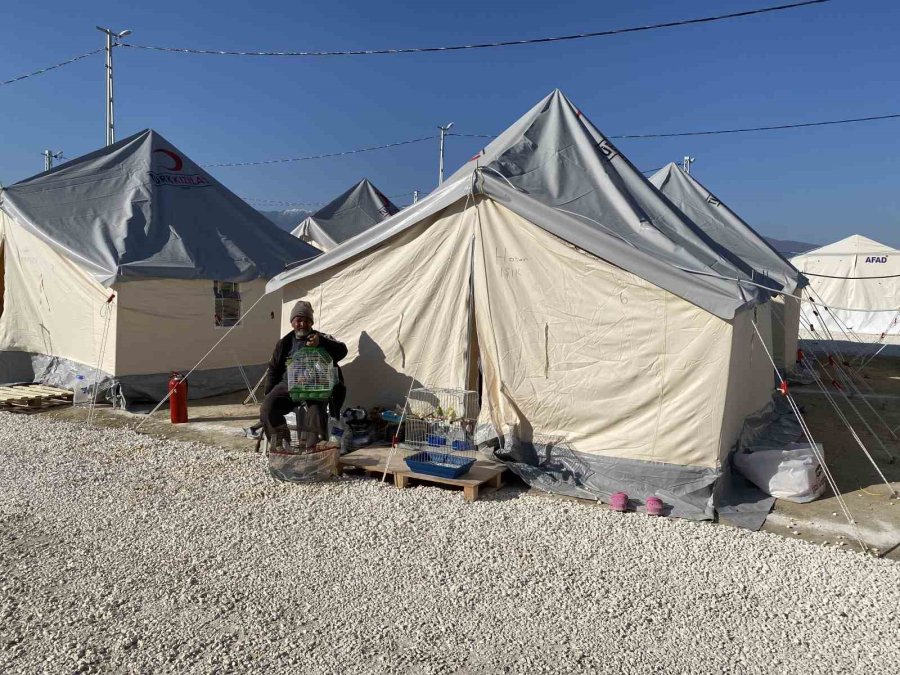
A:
x,y
281,439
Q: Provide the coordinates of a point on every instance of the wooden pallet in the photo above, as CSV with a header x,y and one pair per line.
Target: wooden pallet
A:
x,y
32,396
374,459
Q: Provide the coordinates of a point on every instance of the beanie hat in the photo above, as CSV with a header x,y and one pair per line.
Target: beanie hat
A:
x,y
302,309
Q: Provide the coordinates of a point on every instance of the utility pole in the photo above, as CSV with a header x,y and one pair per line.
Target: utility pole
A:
x,y
686,164
444,131
49,156
111,41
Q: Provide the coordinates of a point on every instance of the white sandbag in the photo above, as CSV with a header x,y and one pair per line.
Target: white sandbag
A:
x,y
794,473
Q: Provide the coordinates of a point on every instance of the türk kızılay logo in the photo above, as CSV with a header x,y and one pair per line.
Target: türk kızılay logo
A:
x,y
172,176
876,259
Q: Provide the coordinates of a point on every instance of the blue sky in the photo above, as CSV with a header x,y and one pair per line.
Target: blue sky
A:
x,y
831,61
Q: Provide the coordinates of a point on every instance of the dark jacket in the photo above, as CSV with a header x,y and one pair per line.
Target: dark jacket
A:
x,y
278,363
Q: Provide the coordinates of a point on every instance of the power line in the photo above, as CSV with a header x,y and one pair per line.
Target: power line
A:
x,y
289,203
828,276
324,155
53,67
713,132
281,202
486,45
770,128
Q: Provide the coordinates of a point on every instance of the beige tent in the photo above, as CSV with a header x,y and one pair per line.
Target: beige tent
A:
x,y
582,343
857,283
133,253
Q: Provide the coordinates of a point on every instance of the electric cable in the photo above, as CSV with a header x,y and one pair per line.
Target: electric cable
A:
x,y
485,45
324,155
53,67
743,130
828,276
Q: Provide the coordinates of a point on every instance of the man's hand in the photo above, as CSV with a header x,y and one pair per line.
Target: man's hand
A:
x,y
313,340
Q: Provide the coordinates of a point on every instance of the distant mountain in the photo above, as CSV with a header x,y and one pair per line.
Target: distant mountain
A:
x,y
789,248
287,219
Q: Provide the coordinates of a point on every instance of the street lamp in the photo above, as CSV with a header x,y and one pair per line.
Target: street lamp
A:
x,y
112,38
444,130
49,156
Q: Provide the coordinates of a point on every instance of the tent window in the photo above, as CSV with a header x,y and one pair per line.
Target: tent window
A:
x,y
228,303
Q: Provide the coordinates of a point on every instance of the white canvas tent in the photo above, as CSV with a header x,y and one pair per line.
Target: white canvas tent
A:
x,y
182,256
347,215
613,354
858,280
725,227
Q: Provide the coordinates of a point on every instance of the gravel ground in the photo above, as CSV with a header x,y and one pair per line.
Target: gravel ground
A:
x,y
121,552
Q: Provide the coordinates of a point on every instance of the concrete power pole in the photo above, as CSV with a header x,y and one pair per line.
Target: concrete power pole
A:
x,y
444,131
111,41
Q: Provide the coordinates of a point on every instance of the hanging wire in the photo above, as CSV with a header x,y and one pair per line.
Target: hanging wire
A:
x,y
287,203
53,67
774,127
714,132
486,45
325,155
631,136
828,276
281,202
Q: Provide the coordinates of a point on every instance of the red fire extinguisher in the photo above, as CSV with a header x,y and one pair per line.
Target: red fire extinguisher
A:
x,y
178,407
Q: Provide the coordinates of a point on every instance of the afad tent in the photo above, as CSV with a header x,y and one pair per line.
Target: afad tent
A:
x,y
606,364
183,256
728,229
355,211
858,281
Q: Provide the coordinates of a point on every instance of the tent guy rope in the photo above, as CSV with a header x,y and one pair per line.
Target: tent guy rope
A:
x,y
202,359
812,443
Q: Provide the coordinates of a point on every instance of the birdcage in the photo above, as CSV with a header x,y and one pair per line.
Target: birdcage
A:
x,y
311,374
303,464
439,434
303,455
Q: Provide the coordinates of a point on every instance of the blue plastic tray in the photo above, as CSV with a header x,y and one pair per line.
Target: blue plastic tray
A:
x,y
440,464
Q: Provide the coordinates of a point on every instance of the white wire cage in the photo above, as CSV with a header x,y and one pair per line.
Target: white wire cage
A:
x,y
310,455
441,420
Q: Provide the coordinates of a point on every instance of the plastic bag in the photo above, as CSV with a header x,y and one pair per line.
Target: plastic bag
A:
x,y
794,473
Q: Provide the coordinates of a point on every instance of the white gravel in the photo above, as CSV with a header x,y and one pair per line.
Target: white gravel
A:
x,y
120,552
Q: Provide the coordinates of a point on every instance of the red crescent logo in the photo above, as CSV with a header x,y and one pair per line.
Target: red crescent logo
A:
x,y
178,164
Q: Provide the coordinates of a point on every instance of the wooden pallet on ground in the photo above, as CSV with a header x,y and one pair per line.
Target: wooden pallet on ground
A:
x,y
32,396
374,459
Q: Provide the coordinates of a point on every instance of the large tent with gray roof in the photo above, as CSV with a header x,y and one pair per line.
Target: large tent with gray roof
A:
x,y
615,349
728,229
346,216
177,255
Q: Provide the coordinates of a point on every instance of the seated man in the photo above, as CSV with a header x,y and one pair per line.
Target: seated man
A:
x,y
278,401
